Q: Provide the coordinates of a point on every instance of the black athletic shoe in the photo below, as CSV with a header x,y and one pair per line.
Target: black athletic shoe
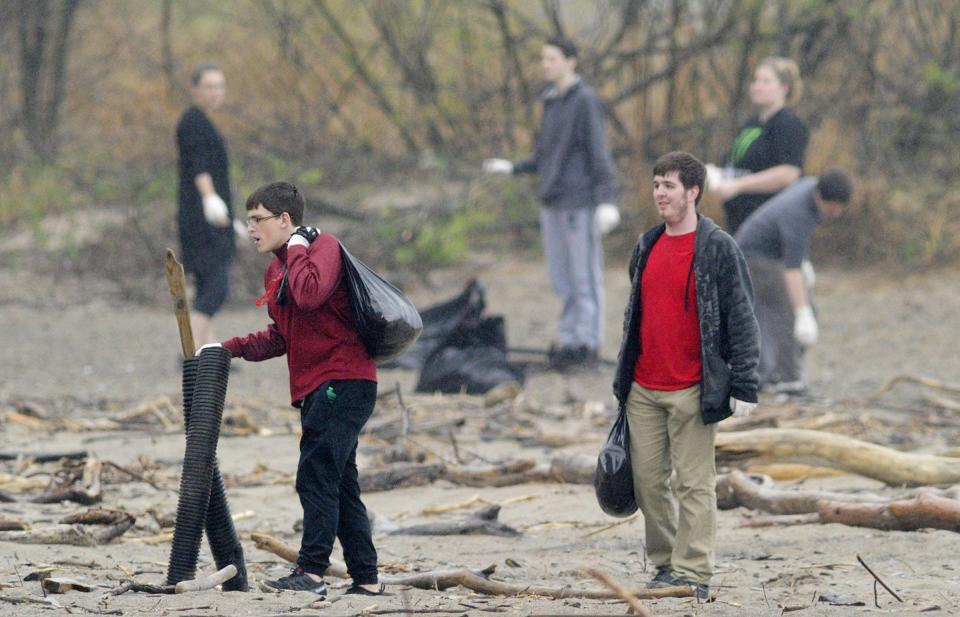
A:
x,y
662,578
298,580
363,591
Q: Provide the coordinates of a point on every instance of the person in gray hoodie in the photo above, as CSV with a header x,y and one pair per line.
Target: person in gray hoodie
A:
x,y
577,188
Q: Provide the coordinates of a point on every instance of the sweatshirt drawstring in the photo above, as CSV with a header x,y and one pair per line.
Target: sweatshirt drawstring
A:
x,y
686,288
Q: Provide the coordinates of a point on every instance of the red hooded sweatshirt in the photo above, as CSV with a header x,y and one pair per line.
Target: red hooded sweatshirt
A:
x,y
315,327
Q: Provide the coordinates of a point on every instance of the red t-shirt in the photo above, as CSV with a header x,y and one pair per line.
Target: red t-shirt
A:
x,y
669,325
315,328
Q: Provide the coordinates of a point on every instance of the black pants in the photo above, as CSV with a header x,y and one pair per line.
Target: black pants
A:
x,y
332,417
213,287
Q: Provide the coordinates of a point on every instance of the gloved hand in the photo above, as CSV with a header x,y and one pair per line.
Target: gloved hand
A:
x,y
240,229
215,210
303,236
805,326
714,176
607,218
741,409
202,347
497,166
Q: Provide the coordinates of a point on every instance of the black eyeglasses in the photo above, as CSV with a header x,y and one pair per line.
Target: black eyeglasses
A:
x,y
253,221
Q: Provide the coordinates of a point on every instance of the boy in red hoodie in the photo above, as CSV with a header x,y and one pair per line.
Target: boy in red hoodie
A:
x,y
333,381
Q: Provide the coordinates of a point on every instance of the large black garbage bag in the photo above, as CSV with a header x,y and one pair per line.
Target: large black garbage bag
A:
x,y
473,370
387,320
613,480
441,322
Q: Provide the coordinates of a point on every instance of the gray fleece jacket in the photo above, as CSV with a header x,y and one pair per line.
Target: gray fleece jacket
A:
x,y
571,155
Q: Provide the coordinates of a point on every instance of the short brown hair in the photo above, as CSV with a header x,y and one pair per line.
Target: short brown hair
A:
x,y
688,167
279,197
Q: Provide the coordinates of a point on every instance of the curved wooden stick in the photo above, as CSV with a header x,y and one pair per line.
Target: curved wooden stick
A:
x,y
207,582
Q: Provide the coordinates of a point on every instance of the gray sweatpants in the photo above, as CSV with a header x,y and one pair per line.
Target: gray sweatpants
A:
x,y
574,253
781,356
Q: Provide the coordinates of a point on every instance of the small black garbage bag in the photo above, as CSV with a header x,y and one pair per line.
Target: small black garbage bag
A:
x,y
613,480
387,320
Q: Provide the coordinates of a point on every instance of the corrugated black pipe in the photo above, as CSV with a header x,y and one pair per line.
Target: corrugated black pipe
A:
x,y
221,533
203,431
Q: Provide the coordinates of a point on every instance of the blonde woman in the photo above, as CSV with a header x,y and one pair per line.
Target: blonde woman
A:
x,y
767,154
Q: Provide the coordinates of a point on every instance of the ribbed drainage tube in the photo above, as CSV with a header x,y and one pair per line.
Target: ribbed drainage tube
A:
x,y
203,502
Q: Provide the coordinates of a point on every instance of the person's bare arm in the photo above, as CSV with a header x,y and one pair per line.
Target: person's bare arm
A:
x,y
796,287
766,181
204,184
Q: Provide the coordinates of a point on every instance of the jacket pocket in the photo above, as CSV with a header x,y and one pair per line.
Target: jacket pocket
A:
x,y
716,386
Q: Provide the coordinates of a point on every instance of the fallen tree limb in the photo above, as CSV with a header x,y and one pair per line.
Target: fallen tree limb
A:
x,y
283,550
480,582
481,522
399,476
737,489
43,457
929,382
88,493
920,512
866,459
635,607
73,534
207,582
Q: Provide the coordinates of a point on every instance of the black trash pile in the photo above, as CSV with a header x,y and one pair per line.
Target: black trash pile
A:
x,y
460,349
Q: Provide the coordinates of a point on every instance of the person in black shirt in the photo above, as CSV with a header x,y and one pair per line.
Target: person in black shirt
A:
x,y
204,217
768,153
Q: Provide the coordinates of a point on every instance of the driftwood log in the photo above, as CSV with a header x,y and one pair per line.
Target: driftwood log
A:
x,y
283,550
920,512
737,489
866,459
480,582
481,522
202,583
108,526
399,476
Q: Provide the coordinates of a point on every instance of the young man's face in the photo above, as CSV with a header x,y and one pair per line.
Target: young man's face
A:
x,y
830,209
268,231
556,66
674,203
210,92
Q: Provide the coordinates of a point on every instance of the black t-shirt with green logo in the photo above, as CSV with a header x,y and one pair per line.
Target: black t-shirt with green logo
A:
x,y
782,140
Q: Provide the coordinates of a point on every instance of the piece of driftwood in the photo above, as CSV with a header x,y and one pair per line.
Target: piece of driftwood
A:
x,y
392,428
283,550
89,491
921,512
479,581
574,469
928,382
198,584
867,459
480,522
7,524
400,475
506,474
779,520
43,457
72,533
635,607
210,581
4,498
62,584
737,489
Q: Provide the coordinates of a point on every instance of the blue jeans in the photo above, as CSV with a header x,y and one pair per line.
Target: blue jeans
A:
x,y
332,417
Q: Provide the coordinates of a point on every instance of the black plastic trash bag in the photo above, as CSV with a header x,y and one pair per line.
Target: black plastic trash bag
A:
x,y
474,370
387,320
441,324
613,480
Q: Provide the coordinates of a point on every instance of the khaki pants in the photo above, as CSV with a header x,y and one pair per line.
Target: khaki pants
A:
x,y
667,434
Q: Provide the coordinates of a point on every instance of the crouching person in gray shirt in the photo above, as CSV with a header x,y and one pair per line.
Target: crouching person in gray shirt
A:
x,y
774,241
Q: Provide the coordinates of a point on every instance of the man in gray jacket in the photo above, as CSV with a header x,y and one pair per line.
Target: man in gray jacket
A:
x,y
577,188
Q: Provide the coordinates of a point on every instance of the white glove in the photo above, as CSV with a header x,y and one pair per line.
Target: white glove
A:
x,y
805,326
240,229
297,240
202,347
808,274
741,409
714,176
215,210
497,166
607,218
